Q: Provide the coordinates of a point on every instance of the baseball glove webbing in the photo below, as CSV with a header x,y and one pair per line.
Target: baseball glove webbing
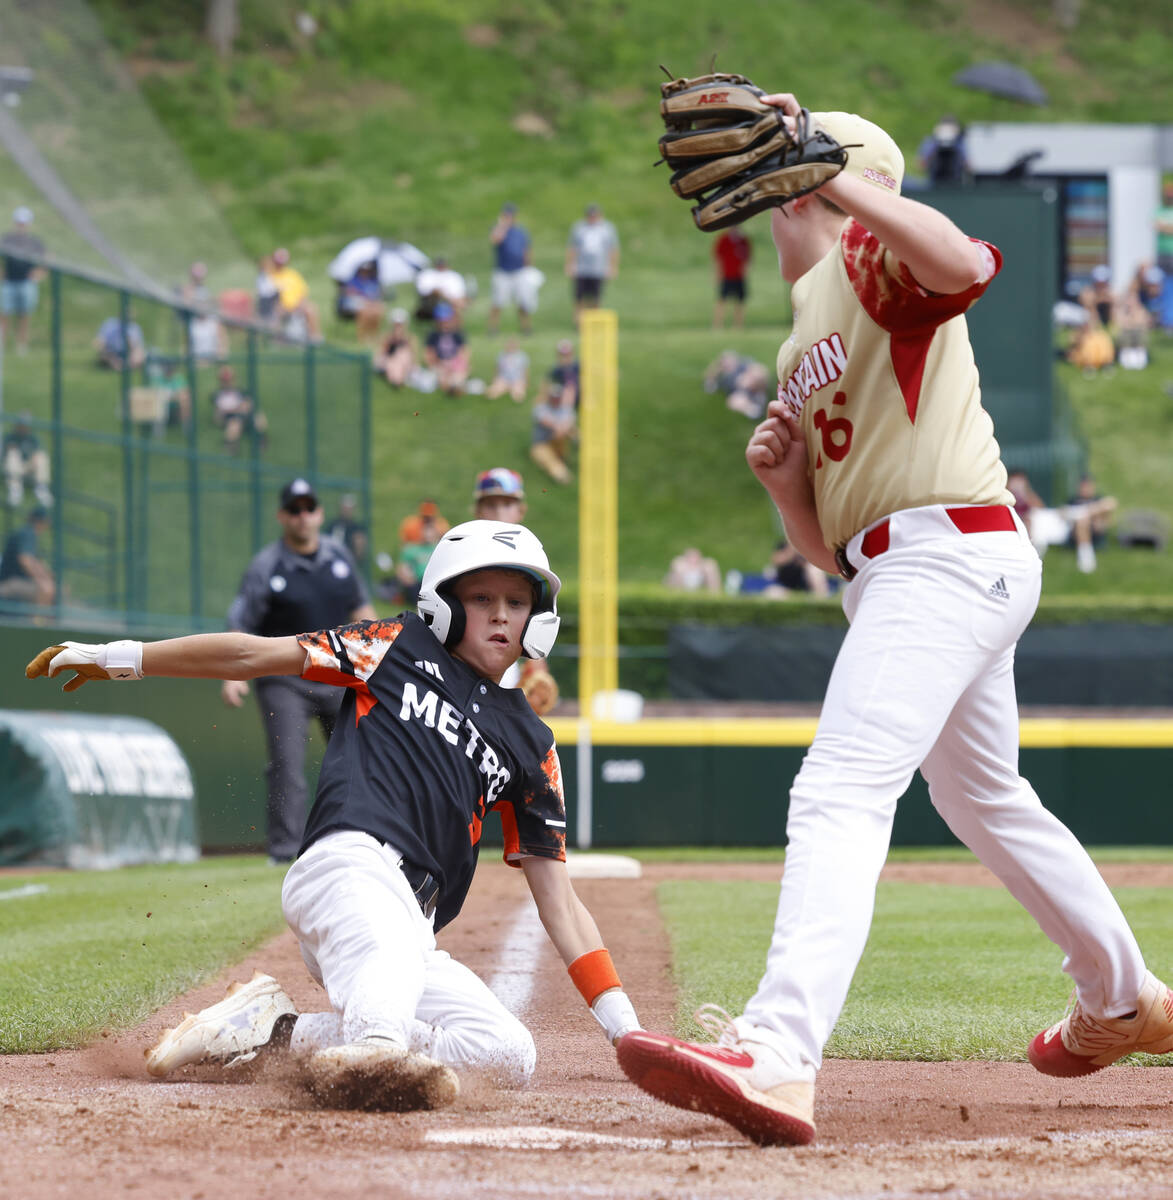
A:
x,y
736,155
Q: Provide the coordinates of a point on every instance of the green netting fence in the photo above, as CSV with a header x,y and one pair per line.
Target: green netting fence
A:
x,y
154,516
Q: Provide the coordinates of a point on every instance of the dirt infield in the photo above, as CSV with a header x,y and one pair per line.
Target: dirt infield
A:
x,y
91,1123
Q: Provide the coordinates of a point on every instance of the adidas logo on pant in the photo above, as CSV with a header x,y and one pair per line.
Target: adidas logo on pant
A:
x,y
998,589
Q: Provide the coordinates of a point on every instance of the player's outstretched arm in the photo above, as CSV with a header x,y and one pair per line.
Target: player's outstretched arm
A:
x,y
576,937
201,656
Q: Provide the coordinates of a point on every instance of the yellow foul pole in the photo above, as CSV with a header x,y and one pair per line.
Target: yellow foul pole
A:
x,y
598,506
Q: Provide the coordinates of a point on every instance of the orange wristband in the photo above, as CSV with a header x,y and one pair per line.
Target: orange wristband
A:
x,y
593,973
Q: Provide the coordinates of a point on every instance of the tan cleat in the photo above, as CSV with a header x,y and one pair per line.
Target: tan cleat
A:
x,y
376,1073
251,1016
1081,1043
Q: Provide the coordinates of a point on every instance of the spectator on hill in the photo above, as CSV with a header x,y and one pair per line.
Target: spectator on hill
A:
x,y
1163,224
360,299
194,290
1099,297
1073,525
24,576
207,336
296,313
439,285
499,495
446,351
398,356
513,273
511,377
565,371
1090,515
25,461
554,428
21,250
592,258
411,528
414,556
120,346
692,571
1091,348
721,374
1133,322
744,382
266,291
942,154
169,375
349,530
236,413
731,253
785,573
1149,285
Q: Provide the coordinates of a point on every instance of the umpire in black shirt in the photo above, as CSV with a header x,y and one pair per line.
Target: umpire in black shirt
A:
x,y
300,583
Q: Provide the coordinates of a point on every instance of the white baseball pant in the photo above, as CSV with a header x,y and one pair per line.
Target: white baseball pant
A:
x,y
925,679
364,938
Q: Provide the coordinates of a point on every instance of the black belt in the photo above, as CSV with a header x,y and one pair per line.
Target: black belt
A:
x,y
423,885
844,564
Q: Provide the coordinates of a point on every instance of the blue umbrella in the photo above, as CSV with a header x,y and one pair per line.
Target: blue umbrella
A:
x,y
1002,79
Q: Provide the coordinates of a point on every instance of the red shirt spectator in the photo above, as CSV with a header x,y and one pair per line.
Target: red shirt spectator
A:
x,y
732,252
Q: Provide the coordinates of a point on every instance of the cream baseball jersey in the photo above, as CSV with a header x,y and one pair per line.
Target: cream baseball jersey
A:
x,y
881,376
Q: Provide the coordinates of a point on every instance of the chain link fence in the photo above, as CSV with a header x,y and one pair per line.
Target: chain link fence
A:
x,y
157,493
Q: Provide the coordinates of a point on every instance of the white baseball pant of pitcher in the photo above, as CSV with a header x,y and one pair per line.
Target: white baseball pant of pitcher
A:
x,y
925,679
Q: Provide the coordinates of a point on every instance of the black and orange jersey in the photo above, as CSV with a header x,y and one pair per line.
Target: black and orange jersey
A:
x,y
423,748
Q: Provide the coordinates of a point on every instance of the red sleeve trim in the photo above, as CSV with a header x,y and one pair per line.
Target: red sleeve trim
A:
x,y
898,304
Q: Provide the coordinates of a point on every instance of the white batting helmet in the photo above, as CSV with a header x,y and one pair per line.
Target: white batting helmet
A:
x,y
479,546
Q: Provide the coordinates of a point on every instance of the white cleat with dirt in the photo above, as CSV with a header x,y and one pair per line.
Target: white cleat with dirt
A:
x,y
376,1073
251,1016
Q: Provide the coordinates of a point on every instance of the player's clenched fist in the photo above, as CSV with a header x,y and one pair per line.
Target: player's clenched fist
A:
x,y
108,660
777,456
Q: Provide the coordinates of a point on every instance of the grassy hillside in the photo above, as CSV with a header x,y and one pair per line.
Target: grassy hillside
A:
x,y
419,119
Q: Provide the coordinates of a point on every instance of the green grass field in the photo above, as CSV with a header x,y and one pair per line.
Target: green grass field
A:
x,y
87,951
948,973
92,951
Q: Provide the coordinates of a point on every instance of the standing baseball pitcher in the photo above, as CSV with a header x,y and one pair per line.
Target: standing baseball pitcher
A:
x,y
883,465
427,743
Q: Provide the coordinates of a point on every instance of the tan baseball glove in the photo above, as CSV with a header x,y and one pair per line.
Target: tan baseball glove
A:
x,y
736,155
539,687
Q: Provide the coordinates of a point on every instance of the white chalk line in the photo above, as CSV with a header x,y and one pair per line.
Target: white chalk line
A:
x,y
537,1137
513,980
29,889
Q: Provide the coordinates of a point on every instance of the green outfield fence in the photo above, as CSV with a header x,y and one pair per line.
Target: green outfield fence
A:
x,y
153,519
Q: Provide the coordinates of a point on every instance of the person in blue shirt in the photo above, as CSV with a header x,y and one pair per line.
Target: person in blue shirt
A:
x,y
513,273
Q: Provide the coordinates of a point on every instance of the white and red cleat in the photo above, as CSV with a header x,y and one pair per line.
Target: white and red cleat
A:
x,y
737,1079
